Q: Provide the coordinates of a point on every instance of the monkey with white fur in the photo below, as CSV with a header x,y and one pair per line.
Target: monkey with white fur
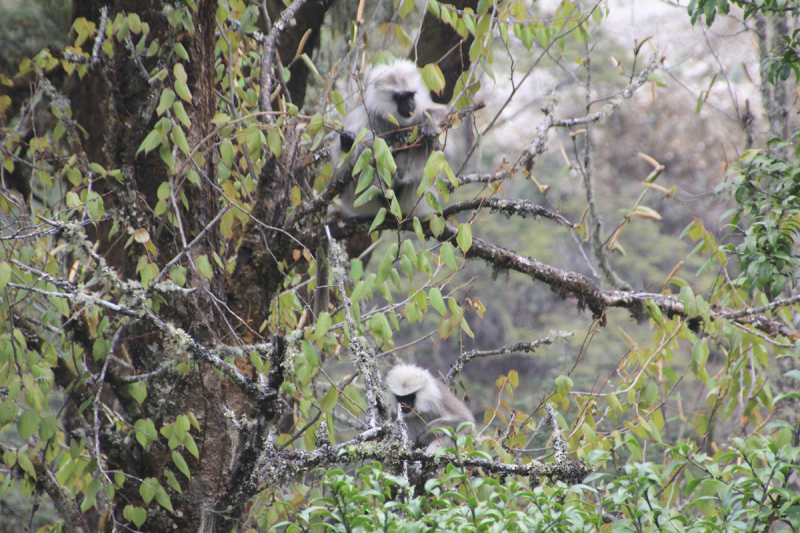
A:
x,y
426,404
397,90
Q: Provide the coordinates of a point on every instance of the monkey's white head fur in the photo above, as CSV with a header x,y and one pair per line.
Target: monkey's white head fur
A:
x,y
399,76
403,380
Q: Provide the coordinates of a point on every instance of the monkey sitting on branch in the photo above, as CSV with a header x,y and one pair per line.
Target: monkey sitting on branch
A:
x,y
394,102
426,404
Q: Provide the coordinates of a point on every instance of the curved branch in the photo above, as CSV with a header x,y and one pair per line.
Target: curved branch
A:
x,y
565,283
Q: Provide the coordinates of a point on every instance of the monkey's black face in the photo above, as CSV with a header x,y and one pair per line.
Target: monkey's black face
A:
x,y
407,402
405,103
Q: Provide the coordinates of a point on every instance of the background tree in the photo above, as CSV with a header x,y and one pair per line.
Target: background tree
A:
x,y
166,187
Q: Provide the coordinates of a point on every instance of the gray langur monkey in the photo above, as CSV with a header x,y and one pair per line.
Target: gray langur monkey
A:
x,y
426,404
397,90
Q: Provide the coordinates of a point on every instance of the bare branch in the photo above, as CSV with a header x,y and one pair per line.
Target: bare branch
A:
x,y
521,208
268,52
526,347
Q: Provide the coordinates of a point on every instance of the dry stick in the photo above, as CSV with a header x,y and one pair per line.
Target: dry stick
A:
x,y
521,208
189,246
100,34
526,347
268,52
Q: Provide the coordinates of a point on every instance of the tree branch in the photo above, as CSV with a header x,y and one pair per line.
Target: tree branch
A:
x,y
521,208
564,283
527,347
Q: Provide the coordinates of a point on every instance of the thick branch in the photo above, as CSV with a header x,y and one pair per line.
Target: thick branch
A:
x,y
285,464
565,283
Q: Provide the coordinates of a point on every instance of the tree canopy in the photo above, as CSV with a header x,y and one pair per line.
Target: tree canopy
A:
x,y
625,333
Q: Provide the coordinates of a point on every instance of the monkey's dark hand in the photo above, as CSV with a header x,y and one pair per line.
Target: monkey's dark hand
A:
x,y
429,130
347,138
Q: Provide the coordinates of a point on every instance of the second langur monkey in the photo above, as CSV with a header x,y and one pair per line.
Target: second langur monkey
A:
x,y
426,404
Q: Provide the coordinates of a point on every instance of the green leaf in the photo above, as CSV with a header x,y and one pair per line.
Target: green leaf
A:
x,y
563,384
163,498
274,142
252,138
329,401
180,139
145,432
190,445
148,488
383,156
48,427
448,253
181,426
613,402
437,301
91,493
180,462
150,142
138,391
178,275
8,412
700,352
433,77
464,238
365,179
204,267
363,160
356,269
172,481
25,463
418,229
437,224
167,99
162,193
180,114
180,83
100,348
433,201
137,515
324,322
181,52
433,167
366,197
379,218
315,124
27,424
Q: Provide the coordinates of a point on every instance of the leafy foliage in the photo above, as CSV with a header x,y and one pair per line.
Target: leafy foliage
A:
x,y
767,191
138,376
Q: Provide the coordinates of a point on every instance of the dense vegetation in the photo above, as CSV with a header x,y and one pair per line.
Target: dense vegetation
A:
x,y
627,342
